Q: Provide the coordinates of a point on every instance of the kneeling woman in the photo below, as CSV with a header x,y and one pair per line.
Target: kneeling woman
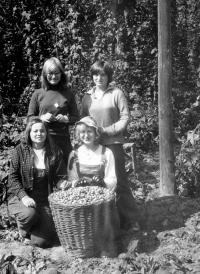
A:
x,y
35,168
91,164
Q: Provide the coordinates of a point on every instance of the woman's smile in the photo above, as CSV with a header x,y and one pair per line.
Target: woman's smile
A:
x,y
88,135
38,134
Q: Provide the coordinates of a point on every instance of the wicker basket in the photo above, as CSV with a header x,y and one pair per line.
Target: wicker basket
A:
x,y
81,229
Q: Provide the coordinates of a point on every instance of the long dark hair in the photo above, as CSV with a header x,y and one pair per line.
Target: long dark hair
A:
x,y
63,80
49,146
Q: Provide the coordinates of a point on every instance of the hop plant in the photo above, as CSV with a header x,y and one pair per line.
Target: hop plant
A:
x,y
188,170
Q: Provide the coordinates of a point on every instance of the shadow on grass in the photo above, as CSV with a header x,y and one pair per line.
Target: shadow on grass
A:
x,y
160,214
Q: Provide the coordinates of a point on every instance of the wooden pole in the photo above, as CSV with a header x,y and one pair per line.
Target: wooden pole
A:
x,y
167,177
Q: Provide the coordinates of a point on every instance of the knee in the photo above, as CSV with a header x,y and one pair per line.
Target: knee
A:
x,y
28,214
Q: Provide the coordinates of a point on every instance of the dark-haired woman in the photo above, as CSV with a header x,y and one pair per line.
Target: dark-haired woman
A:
x,y
108,106
36,167
55,104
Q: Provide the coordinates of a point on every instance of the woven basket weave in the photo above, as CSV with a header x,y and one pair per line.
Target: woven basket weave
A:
x,y
81,229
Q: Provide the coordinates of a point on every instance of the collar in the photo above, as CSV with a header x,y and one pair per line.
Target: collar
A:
x,y
110,87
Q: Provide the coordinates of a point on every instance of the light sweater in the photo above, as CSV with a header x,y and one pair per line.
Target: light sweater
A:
x,y
110,111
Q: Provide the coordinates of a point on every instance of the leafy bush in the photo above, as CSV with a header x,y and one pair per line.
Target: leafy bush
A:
x,y
79,32
188,168
11,130
9,137
143,126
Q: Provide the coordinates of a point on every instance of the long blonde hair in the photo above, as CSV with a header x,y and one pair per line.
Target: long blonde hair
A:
x,y
48,63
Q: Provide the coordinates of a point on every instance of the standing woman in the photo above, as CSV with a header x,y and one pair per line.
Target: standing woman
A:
x,y
55,104
108,106
36,167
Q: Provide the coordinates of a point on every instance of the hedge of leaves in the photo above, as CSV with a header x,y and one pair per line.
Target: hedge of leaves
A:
x,y
79,32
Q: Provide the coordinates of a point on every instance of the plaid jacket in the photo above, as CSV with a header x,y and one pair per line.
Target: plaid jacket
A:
x,y
21,176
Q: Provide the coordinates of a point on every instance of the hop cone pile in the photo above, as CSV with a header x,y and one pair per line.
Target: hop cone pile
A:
x,y
81,196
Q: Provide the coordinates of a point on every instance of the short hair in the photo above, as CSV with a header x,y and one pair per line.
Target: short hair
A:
x,y
31,122
49,62
102,66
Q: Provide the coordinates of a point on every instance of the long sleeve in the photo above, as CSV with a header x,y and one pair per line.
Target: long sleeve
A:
x,y
110,111
33,109
122,106
54,102
110,178
15,187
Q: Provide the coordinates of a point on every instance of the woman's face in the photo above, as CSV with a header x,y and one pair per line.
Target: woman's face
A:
x,y
87,135
53,75
101,80
38,134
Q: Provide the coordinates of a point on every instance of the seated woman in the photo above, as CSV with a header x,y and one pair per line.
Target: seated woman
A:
x,y
94,165
91,163
35,168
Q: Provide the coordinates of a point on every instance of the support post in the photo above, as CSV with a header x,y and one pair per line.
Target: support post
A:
x,y
167,177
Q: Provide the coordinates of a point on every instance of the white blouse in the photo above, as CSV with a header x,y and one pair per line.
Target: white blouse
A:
x,y
39,158
89,157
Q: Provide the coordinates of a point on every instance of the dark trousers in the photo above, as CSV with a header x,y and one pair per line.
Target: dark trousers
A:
x,y
34,222
64,143
125,201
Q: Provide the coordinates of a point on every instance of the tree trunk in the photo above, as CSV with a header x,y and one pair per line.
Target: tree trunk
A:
x,y
167,178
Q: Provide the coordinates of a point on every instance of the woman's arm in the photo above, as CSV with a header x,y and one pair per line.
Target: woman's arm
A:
x,y
110,178
123,110
33,109
64,184
15,186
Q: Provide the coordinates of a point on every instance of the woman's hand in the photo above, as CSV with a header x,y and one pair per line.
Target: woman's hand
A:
x,y
28,202
62,118
96,179
48,117
63,185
